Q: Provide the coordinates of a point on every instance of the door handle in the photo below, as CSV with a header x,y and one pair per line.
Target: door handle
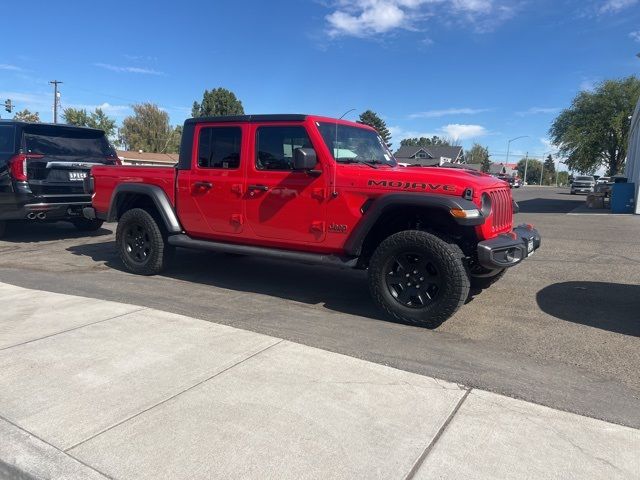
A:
x,y
203,185
263,188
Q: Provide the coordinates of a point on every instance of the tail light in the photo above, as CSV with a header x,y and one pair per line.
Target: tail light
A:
x,y
18,166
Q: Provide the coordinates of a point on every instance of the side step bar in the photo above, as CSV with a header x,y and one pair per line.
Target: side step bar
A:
x,y
185,241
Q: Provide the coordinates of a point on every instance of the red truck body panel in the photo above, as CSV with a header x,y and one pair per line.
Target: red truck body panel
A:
x,y
293,209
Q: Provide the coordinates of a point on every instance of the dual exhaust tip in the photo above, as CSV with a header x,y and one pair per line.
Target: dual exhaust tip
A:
x,y
39,215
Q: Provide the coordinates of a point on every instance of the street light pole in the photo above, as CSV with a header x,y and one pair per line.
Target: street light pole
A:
x,y
509,148
526,164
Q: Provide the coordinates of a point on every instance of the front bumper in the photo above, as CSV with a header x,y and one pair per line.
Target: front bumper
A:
x,y
509,249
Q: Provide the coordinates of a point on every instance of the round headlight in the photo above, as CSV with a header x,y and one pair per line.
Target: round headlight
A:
x,y
486,205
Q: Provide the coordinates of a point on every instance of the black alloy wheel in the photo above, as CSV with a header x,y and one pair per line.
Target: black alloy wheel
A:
x,y
413,279
137,243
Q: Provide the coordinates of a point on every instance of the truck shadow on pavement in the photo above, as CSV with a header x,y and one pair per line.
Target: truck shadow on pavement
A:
x,y
34,232
562,204
608,306
344,291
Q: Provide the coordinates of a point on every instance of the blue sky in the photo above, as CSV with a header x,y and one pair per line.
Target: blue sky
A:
x,y
475,70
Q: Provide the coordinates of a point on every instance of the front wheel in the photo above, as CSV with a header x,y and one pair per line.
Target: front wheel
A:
x,y
140,243
417,277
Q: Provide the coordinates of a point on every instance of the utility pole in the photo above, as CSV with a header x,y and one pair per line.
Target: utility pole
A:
x,y
56,99
542,171
526,164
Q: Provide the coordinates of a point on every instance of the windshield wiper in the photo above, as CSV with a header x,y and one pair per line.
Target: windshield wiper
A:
x,y
368,163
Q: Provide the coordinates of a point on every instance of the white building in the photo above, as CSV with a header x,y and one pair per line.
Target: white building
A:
x,y
632,170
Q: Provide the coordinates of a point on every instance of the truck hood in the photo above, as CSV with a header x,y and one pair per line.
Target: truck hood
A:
x,y
449,181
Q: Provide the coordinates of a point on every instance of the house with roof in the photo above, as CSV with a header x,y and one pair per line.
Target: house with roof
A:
x,y
147,158
509,169
429,156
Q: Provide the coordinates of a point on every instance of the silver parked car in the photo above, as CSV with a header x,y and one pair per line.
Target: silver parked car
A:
x,y
583,184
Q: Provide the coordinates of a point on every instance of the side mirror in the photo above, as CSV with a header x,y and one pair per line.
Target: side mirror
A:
x,y
304,159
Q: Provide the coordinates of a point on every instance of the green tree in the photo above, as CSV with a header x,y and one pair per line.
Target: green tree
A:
x,y
478,154
148,130
594,131
424,141
27,116
372,119
218,101
534,169
96,119
549,171
563,178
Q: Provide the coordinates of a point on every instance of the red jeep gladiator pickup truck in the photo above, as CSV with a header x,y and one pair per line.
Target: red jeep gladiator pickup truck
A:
x,y
317,190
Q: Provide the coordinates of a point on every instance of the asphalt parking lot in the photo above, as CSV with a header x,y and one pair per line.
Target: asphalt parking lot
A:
x,y
562,329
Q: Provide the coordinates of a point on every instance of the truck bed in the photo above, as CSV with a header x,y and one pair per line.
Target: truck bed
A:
x,y
106,179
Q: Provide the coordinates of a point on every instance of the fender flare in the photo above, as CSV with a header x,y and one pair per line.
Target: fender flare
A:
x,y
353,245
156,194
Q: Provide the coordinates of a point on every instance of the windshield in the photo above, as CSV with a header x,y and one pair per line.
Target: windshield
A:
x,y
353,144
584,179
56,141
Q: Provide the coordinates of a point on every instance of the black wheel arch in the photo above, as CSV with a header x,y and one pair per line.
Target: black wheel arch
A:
x,y
151,197
392,213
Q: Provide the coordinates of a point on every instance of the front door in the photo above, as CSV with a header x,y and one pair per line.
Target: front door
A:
x,y
210,194
282,204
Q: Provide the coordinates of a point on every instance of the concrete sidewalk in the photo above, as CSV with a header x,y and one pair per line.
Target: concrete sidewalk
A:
x,y
95,389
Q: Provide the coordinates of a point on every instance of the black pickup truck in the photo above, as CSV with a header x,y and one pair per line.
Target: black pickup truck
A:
x,y
42,167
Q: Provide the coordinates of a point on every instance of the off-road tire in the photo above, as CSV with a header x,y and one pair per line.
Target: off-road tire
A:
x,y
480,283
86,225
441,255
3,228
138,227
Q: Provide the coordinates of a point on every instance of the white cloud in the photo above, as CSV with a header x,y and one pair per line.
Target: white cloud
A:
x,y
364,18
12,68
454,131
448,111
538,110
635,35
121,69
588,85
115,110
462,132
614,6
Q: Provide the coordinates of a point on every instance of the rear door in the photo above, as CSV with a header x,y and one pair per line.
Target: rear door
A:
x,y
210,193
59,157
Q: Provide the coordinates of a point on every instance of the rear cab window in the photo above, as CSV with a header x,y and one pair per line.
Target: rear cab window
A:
x,y
66,142
219,147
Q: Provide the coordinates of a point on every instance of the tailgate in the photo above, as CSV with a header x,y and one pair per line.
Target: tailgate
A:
x,y
58,176
60,157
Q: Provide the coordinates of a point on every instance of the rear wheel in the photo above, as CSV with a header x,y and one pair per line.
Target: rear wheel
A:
x,y
86,225
141,244
419,278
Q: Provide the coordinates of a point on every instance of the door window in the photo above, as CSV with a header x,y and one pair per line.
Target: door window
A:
x,y
275,146
219,147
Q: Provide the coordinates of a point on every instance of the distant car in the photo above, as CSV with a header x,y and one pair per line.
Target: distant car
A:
x,y
583,184
42,167
603,180
515,182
